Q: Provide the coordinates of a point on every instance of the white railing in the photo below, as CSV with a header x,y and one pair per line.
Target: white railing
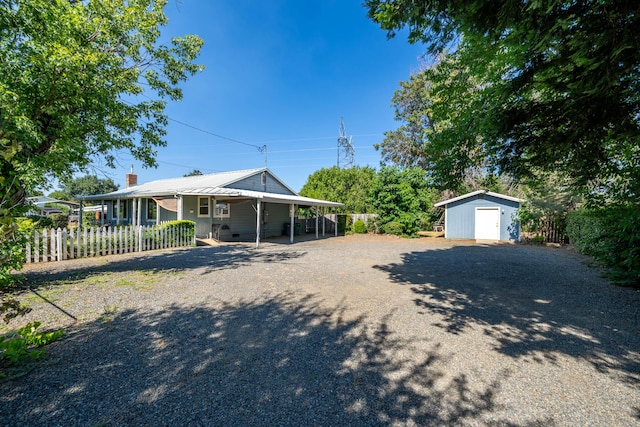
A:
x,y
57,245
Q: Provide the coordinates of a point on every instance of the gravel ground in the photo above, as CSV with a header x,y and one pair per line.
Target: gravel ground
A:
x,y
356,330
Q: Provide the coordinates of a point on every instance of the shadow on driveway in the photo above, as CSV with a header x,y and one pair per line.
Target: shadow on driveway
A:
x,y
206,259
272,361
535,302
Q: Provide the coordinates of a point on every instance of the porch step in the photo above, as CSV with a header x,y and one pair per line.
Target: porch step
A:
x,y
206,242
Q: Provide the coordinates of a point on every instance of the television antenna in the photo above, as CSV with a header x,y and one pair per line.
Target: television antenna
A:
x,y
346,152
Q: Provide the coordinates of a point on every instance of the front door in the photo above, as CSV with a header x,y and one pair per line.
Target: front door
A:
x,y
487,224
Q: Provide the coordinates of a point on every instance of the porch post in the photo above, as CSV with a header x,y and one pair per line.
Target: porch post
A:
x,y
258,214
179,207
292,210
323,220
157,213
102,213
117,202
139,210
316,222
335,215
134,212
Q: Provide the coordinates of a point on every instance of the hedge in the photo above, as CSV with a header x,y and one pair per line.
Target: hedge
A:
x,y
612,236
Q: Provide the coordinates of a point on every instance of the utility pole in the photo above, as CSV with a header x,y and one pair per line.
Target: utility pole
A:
x,y
346,152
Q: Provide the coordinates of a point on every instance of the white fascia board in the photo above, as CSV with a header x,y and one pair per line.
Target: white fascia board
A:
x,y
475,193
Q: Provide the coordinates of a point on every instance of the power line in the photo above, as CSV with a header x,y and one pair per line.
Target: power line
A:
x,y
259,147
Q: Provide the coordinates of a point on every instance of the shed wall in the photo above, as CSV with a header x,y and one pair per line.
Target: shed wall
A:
x,y
460,217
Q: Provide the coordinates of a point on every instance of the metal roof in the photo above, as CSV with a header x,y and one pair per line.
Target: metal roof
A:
x,y
215,185
41,201
475,193
176,186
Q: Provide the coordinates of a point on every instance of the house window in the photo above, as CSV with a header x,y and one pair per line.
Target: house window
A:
x,y
123,209
222,210
152,209
203,206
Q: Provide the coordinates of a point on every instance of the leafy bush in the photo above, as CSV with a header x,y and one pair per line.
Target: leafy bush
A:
x,y
394,228
41,221
188,226
359,227
25,344
12,252
59,220
612,236
538,239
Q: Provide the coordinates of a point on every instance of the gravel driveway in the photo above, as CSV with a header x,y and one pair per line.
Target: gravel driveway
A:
x,y
356,330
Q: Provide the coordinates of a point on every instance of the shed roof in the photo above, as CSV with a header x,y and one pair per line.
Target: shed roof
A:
x,y
475,193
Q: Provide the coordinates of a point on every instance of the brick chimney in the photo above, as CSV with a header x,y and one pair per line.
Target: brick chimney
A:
x,y
131,179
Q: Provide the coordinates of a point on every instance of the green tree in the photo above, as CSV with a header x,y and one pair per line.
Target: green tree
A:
x,y
79,80
194,172
87,185
349,186
403,196
528,87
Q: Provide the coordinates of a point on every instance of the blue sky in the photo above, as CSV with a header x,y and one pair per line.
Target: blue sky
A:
x,y
279,73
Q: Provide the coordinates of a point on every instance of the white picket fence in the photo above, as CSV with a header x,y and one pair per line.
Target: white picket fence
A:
x,y
62,244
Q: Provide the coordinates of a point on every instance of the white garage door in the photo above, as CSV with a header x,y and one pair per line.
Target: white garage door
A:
x,y
487,223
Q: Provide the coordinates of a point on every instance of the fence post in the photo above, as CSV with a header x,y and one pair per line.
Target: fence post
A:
x,y
84,242
45,246
53,246
28,252
72,242
64,243
36,247
140,236
60,254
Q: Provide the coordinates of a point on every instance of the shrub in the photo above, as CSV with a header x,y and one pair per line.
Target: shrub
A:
x,y
23,345
359,227
59,220
188,226
41,221
394,228
538,239
612,236
12,252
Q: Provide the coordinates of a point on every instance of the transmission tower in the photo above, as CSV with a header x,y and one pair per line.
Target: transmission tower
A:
x,y
346,152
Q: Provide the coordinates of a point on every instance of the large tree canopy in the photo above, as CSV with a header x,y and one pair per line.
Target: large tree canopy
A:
x,y
80,79
86,185
524,87
349,186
